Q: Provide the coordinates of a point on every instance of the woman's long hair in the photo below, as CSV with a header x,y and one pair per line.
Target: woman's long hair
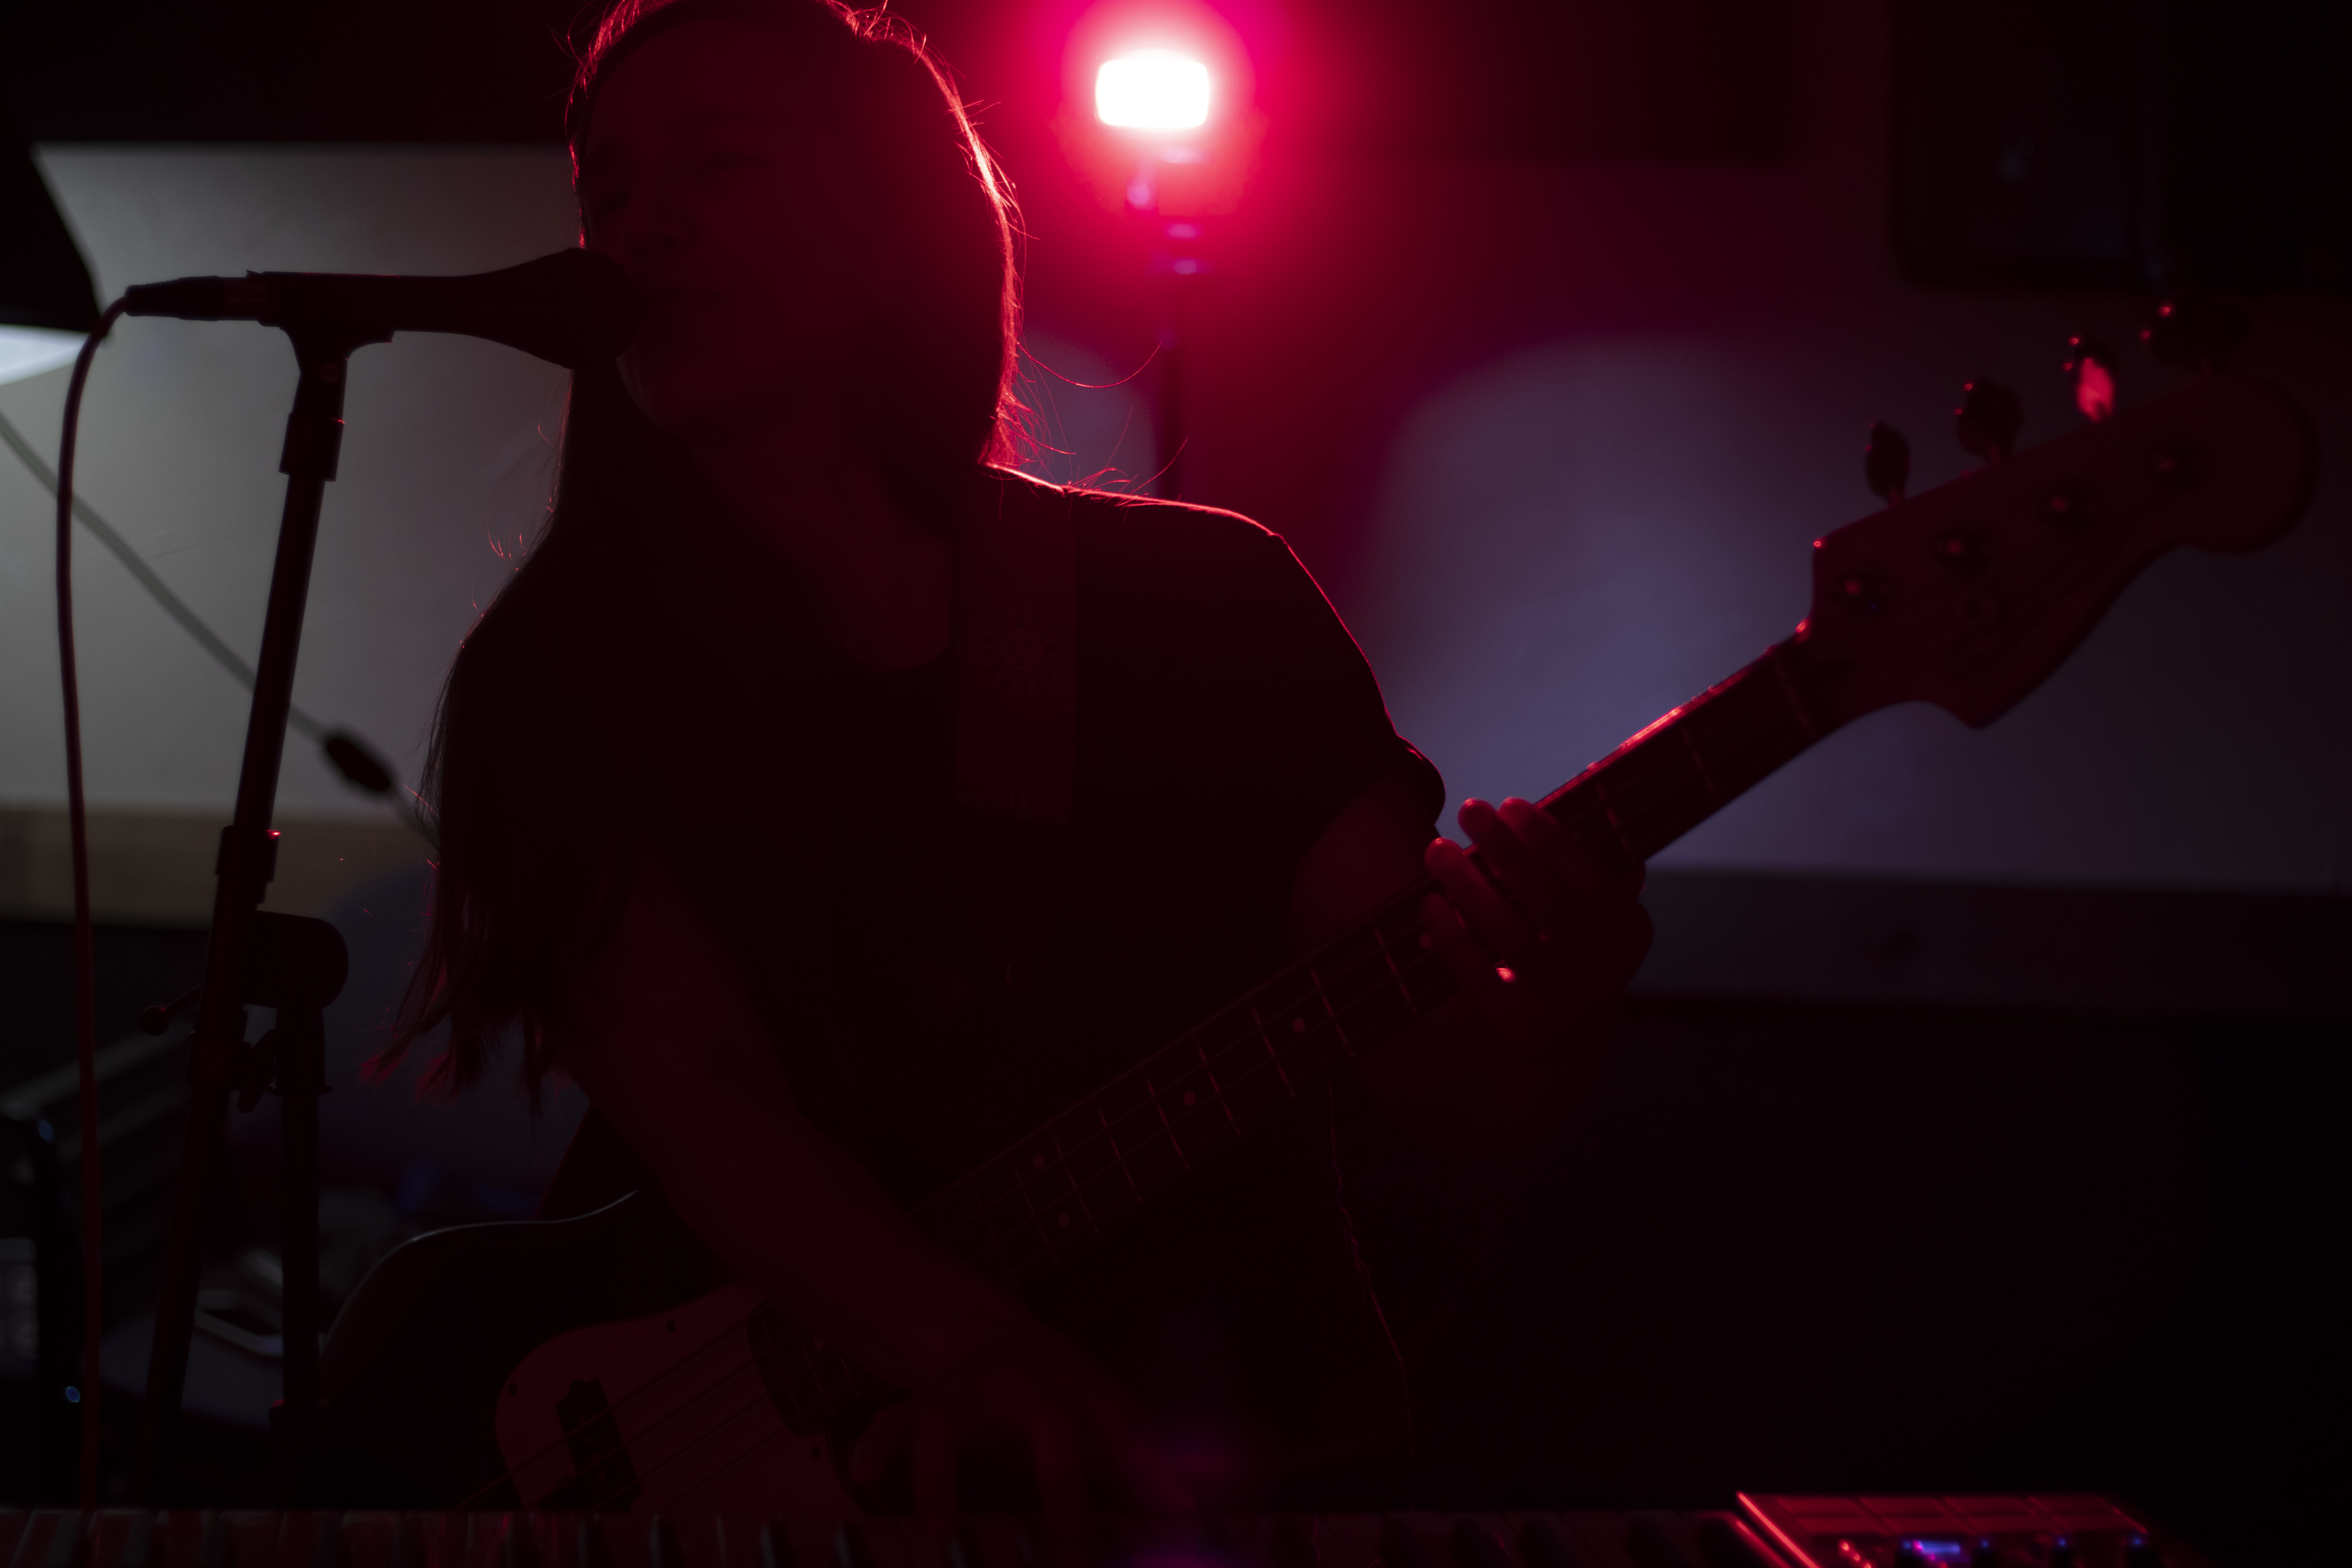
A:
x,y
539,762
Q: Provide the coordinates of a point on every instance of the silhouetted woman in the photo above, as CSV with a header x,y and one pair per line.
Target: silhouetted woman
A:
x,y
835,805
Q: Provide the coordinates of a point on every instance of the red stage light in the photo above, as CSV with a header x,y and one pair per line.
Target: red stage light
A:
x,y
1152,89
1159,108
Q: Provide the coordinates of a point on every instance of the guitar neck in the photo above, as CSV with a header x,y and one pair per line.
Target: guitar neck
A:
x,y
1140,1133
1695,760
1137,1136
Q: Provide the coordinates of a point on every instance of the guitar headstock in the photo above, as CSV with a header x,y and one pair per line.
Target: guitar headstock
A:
x,y
1967,596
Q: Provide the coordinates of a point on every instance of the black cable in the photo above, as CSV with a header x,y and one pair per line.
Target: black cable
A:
x,y
359,763
93,1320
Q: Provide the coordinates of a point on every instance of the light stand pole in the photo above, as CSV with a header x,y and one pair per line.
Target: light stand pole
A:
x,y
1177,270
1157,102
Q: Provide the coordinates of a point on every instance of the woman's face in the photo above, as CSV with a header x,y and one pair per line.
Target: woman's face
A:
x,y
734,208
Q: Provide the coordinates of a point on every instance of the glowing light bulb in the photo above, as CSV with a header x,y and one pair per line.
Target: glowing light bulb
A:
x,y
1152,89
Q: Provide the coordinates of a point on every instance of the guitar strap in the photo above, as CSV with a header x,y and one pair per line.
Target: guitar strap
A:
x,y
1016,625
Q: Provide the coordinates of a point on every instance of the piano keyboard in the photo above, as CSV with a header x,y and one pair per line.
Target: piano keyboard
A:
x,y
1765,1532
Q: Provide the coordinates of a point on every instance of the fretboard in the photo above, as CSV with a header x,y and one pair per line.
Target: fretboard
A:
x,y
1137,1136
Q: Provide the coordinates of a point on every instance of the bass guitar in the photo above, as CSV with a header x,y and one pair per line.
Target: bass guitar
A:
x,y
605,1364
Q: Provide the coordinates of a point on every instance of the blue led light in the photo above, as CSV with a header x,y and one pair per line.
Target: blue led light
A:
x,y
1939,1551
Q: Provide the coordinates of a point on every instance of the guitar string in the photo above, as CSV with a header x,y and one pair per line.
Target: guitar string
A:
x,y
1173,1064
985,1215
721,1337
716,1342
1651,825
747,1451
1745,717
997,1239
753,1403
732,1372
1168,1059
1226,1094
806,1371
724,1335
1655,815
1582,798
1730,752
1743,728
713,1429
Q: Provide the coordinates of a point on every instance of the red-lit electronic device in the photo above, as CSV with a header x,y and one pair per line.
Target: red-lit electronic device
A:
x,y
2063,1531
1768,1532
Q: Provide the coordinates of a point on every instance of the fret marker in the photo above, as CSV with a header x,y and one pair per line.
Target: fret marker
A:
x,y
1065,1220
1188,1096
1298,1025
1037,1161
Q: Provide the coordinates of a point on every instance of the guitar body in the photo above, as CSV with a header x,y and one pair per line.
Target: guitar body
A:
x,y
415,1367
676,1411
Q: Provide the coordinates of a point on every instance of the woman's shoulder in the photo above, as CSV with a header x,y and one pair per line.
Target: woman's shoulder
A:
x,y
1119,532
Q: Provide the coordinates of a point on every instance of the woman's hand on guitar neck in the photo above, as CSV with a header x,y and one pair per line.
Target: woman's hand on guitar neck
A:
x,y
1507,1061
1541,938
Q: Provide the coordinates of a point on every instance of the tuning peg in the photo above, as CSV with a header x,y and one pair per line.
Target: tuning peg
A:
x,y
1886,463
2197,333
2092,368
1987,419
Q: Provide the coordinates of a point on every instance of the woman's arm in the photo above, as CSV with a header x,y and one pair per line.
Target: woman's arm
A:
x,y
672,1053
1505,1062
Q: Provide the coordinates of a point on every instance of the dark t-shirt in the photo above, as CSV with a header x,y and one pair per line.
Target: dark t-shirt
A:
x,y
939,981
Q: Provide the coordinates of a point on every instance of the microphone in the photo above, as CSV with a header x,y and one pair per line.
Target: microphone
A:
x,y
574,307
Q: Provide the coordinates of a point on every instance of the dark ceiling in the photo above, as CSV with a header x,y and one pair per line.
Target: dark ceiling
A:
x,y
2213,139
1544,80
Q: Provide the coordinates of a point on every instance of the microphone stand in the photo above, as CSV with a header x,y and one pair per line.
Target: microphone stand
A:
x,y
218,1058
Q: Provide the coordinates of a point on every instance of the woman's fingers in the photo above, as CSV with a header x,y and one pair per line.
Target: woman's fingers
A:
x,y
1546,896
1473,969
1526,878
1535,925
1503,929
1542,865
1608,903
1575,861
1059,1414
